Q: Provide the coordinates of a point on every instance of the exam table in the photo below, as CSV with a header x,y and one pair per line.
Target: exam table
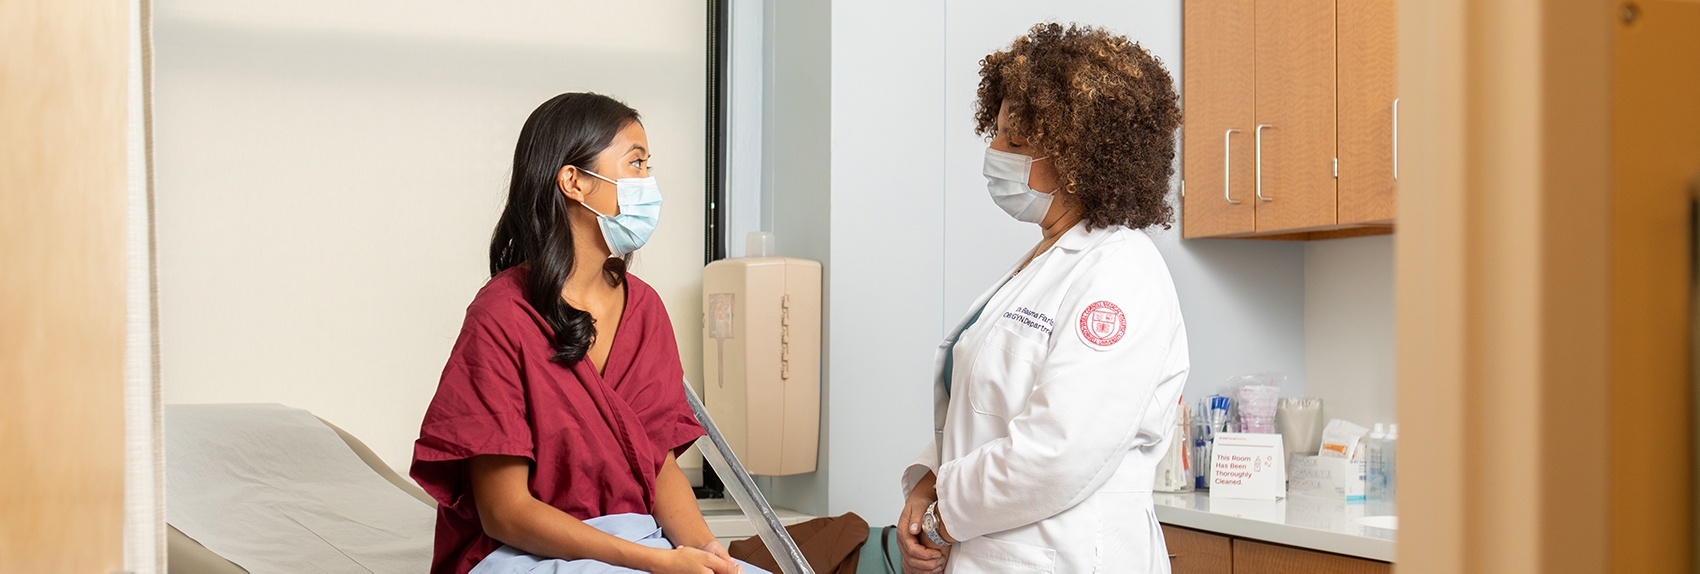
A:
x,y
279,489
186,556
275,489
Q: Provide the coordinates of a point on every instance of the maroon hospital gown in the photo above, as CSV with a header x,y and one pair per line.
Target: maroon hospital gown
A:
x,y
596,441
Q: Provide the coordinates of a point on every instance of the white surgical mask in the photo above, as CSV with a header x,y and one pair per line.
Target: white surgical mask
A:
x,y
640,210
1006,178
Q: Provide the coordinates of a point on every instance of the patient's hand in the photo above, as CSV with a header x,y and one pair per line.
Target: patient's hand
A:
x,y
687,560
920,555
714,547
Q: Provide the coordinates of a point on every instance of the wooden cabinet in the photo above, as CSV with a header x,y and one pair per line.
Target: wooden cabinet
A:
x,y
1288,117
1259,558
1194,552
1293,140
1219,200
1367,108
1197,552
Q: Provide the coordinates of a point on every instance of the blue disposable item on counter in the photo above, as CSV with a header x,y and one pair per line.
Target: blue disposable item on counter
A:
x,y
1219,413
1201,436
1213,419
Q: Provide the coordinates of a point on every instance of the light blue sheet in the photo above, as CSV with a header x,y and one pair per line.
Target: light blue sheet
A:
x,y
639,528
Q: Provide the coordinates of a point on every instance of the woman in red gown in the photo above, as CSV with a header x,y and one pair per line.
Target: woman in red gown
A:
x,y
556,424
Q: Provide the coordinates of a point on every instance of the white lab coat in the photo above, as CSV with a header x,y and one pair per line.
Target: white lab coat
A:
x,y
1058,411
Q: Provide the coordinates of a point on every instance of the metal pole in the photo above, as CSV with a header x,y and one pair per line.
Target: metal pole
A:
x,y
743,490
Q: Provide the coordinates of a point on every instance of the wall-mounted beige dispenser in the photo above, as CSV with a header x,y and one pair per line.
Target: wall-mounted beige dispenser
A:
x,y
761,358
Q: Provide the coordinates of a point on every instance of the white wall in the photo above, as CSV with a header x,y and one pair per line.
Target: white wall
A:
x,y
914,237
329,174
1349,327
796,201
888,243
1243,302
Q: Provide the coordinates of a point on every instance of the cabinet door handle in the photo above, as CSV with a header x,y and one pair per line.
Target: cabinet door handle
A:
x,y
1259,132
1227,165
1395,139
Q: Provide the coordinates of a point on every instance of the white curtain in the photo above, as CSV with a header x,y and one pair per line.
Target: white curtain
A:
x,y
144,468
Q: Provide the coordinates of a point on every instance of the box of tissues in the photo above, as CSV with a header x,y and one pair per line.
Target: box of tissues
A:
x,y
1327,477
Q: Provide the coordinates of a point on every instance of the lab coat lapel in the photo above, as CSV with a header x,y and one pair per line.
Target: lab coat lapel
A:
x,y
941,398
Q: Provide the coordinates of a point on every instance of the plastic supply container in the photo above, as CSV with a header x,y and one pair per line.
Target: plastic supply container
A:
x,y
1379,480
1390,457
1175,470
1300,422
1257,408
1375,483
1254,402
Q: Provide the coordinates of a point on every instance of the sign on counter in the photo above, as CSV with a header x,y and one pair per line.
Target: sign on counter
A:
x,y
1248,466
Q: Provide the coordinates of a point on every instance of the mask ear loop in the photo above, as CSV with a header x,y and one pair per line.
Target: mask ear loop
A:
x,y
592,209
614,268
598,176
1030,177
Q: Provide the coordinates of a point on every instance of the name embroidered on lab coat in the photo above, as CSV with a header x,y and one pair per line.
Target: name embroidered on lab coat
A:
x,y
1031,319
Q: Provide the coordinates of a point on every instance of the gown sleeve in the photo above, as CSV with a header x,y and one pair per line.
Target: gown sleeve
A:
x,y
1075,429
479,408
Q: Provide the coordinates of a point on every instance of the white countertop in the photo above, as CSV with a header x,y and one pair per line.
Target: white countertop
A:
x,y
728,523
1322,524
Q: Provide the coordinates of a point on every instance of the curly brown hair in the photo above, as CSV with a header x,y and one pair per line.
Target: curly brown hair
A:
x,y
1101,107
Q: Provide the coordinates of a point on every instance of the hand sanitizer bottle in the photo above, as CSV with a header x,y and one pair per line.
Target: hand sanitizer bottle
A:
x,y
1375,451
1389,454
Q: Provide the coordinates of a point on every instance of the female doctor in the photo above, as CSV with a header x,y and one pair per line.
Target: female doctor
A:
x,y
1055,395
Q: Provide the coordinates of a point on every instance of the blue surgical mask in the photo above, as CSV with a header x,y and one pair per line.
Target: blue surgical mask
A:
x,y
640,210
1006,179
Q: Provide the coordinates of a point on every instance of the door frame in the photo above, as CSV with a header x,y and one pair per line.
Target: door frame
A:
x,y
1505,284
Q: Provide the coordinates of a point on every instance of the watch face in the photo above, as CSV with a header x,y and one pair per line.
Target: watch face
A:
x,y
929,522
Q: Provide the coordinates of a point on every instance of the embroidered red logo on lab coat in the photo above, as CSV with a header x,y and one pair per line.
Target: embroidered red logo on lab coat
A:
x,y
1102,324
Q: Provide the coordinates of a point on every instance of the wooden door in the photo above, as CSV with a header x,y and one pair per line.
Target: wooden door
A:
x,y
1258,558
1365,93
1194,552
1656,167
63,72
1218,89
1295,99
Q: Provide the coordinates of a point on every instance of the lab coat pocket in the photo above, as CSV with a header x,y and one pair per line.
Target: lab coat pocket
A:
x,y
986,554
1003,374
1129,539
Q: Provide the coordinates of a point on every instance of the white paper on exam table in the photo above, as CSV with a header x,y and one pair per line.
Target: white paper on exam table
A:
x,y
273,489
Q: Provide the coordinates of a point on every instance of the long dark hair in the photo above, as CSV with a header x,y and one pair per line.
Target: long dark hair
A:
x,y
569,129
